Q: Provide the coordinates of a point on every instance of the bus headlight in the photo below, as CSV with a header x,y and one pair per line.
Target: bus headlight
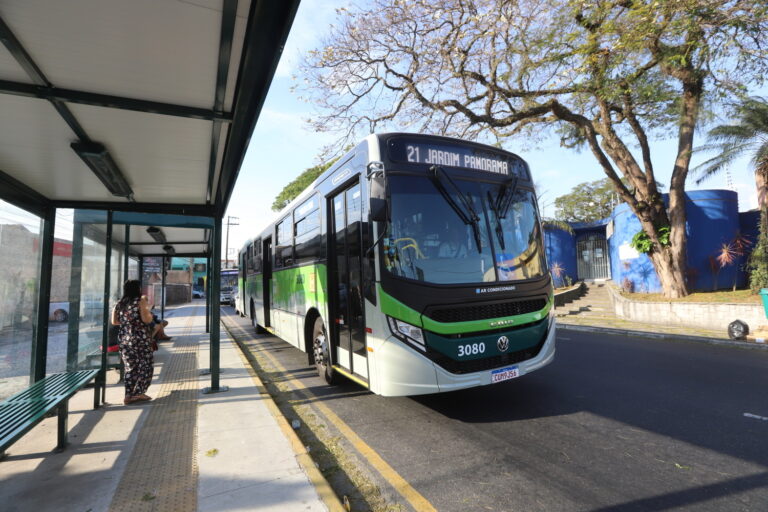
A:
x,y
407,332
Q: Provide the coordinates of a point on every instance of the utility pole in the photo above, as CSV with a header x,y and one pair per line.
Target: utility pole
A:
x,y
231,221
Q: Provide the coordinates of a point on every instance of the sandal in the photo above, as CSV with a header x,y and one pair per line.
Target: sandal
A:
x,y
142,398
129,400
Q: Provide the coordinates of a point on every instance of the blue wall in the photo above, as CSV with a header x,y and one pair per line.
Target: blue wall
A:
x,y
713,220
560,246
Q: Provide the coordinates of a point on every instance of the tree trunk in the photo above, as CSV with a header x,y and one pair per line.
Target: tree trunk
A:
x,y
671,274
761,183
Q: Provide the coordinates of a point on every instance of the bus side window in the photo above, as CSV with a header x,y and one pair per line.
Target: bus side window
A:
x,y
256,256
308,238
249,259
284,244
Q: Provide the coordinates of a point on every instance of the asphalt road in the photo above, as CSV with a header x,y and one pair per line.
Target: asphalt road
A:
x,y
615,423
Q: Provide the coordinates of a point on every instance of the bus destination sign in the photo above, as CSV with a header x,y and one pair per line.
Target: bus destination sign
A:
x,y
467,157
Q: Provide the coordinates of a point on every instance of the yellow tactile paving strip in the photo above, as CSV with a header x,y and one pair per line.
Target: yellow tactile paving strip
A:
x,y
162,472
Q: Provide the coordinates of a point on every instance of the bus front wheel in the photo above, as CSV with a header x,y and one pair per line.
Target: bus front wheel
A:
x,y
321,350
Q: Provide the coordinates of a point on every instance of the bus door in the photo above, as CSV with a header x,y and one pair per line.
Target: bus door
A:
x,y
347,324
267,279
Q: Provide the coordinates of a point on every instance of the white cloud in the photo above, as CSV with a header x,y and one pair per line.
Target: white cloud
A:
x,y
747,196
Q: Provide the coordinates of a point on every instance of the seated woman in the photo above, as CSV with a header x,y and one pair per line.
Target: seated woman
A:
x,y
157,326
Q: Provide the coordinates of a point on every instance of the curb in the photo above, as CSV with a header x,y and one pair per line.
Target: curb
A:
x,y
661,336
320,483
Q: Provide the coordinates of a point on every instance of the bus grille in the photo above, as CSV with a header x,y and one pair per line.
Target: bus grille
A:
x,y
489,363
483,311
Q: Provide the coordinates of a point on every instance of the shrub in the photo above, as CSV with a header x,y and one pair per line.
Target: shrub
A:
x,y
758,262
642,243
558,271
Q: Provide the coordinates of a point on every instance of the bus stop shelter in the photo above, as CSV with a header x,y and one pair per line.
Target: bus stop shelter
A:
x,y
123,129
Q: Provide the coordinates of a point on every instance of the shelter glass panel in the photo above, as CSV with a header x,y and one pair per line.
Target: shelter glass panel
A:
x,y
20,243
58,308
116,276
133,268
77,293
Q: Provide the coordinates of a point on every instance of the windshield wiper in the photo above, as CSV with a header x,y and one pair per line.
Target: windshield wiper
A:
x,y
505,197
468,215
500,206
494,209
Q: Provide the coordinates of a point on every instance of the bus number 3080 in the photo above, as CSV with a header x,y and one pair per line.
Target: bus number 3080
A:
x,y
471,350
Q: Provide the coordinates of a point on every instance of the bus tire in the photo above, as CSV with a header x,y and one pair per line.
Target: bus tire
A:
x,y
322,352
60,315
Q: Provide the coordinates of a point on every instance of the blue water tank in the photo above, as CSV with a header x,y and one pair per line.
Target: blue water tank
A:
x,y
713,221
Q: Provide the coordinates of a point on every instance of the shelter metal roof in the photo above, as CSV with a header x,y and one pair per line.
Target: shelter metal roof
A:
x,y
171,89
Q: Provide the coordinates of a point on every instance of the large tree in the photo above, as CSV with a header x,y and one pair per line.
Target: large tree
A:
x,y
586,202
297,186
605,74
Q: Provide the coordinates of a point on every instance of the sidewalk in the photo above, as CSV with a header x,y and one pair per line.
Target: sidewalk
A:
x,y
593,312
184,450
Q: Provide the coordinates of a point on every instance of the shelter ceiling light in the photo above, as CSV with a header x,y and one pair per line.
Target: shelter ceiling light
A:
x,y
157,234
169,249
99,160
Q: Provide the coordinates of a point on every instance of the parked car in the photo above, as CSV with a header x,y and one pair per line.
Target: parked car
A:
x,y
198,292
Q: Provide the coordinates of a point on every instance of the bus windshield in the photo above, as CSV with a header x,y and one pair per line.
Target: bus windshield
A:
x,y
473,232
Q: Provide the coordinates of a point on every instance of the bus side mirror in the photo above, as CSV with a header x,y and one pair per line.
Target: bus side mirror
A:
x,y
378,206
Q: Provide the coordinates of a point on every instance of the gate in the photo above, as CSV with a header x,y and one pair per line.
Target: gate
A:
x,y
592,257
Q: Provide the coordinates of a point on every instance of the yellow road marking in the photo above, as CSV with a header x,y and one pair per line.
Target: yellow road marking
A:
x,y
405,489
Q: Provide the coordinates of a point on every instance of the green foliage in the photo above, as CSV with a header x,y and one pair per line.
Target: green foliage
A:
x,y
748,136
758,260
642,243
587,202
297,186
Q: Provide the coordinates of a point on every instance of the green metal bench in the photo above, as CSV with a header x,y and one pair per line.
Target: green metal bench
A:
x,y
24,410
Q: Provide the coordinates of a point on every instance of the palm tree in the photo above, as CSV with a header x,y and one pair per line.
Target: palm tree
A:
x,y
748,137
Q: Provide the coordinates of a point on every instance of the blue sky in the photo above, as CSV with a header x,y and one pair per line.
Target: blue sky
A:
x,y
282,146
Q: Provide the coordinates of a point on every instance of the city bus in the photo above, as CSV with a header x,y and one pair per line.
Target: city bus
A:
x,y
228,285
414,265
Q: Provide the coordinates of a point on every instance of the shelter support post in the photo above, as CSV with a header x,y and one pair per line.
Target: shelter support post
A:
x,y
40,338
215,345
127,255
162,288
102,378
141,272
75,281
208,295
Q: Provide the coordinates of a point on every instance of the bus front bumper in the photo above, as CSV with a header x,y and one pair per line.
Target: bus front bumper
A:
x,y
409,375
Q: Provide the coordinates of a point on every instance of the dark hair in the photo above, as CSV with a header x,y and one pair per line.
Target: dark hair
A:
x,y
131,290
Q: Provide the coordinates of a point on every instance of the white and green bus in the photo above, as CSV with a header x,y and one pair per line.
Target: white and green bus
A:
x,y
413,265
